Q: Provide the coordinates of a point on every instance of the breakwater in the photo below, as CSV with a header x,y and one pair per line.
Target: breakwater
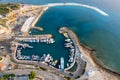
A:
x,y
78,4
39,15
37,28
44,36
65,30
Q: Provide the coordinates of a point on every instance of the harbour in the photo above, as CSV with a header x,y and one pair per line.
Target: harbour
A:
x,y
60,50
46,60
48,40
47,31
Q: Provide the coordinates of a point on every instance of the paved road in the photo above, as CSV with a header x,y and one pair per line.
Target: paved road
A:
x,y
40,74
40,65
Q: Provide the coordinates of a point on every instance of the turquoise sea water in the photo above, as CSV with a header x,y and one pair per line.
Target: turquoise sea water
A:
x,y
93,29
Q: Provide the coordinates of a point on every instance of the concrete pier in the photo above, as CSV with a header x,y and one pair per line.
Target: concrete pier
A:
x,y
31,37
39,15
38,28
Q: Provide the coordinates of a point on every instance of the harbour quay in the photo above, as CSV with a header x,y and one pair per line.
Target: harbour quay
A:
x,y
75,53
36,38
45,60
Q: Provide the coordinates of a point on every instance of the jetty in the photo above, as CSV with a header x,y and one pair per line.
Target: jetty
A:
x,y
20,44
39,15
36,27
33,37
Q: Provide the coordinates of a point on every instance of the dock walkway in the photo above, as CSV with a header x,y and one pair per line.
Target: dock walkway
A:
x,y
33,37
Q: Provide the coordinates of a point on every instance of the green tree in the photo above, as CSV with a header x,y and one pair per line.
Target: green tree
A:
x,y
32,75
6,76
12,75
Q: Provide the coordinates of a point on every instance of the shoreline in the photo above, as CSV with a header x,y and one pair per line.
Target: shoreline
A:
x,y
107,74
103,70
102,66
91,54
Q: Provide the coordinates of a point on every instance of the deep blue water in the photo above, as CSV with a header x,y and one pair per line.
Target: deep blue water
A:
x,y
93,29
